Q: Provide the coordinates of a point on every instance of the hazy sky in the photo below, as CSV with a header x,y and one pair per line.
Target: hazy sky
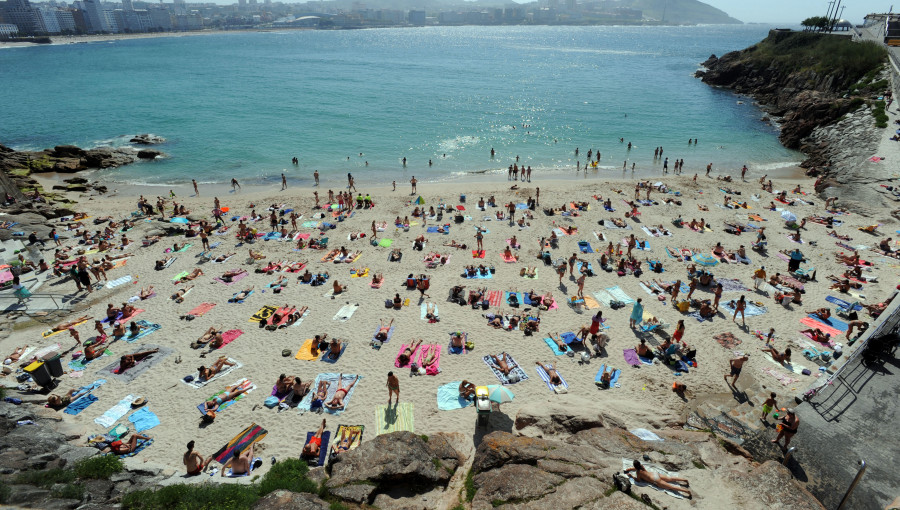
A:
x,y
794,11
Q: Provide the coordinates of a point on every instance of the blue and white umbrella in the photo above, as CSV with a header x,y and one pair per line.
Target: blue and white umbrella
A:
x,y
499,394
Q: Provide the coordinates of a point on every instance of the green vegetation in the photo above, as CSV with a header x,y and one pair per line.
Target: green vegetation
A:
x,y
69,491
609,492
826,55
47,478
881,118
337,506
470,485
98,468
289,475
4,493
424,437
458,507
814,23
699,464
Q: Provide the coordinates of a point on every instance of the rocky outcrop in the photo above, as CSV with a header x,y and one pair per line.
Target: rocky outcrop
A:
x,y
147,139
391,461
286,500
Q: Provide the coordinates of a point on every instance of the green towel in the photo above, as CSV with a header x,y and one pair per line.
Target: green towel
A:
x,y
179,276
397,418
185,248
386,243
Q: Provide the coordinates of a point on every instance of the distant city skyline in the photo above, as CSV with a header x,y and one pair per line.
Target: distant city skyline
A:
x,y
795,11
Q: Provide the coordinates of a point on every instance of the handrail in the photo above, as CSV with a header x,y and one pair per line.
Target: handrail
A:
x,y
787,455
859,474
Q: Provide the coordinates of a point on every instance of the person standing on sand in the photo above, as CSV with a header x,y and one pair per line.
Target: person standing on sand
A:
x,y
708,168
316,176
193,461
736,365
196,191
412,181
374,230
393,385
537,197
637,314
743,172
234,184
283,182
718,295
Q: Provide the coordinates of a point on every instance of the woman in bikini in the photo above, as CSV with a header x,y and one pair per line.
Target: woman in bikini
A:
x,y
207,373
407,353
346,440
130,360
661,481
122,448
231,393
178,297
555,379
429,356
337,402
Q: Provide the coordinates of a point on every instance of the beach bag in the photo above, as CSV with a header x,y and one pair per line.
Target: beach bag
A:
x,y
559,390
271,402
470,345
622,483
431,370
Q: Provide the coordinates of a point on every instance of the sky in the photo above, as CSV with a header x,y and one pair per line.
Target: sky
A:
x,y
794,11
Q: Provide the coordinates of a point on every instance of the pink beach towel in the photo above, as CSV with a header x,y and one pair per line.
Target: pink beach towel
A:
x,y
411,358
202,309
508,259
230,336
233,280
825,328
436,367
494,297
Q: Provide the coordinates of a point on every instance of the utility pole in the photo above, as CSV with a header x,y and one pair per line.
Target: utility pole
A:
x,y
665,8
834,18
827,15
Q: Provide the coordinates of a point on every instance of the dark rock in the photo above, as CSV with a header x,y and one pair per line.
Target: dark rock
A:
x,y
618,501
68,151
357,493
514,482
147,139
500,448
77,188
286,500
76,180
99,490
562,419
59,504
67,165
149,154
26,494
396,459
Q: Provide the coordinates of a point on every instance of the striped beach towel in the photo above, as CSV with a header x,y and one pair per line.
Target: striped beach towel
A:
x,y
394,419
240,442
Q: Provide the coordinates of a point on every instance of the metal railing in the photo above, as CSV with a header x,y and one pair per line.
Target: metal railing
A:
x,y
859,473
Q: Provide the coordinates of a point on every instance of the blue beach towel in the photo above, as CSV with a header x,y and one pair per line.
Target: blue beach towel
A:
x,y
843,304
546,378
143,419
585,247
612,380
833,322
323,448
589,266
568,337
327,356
80,405
553,347
434,230
146,329
448,397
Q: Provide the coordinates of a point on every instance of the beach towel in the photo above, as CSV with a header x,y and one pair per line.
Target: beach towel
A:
x,y
201,309
590,303
346,312
434,230
323,447
147,328
825,328
80,405
230,336
783,378
631,357
144,419
413,356
390,333
234,279
112,415
385,243
306,351
327,356
750,310
263,314
831,322
226,405
112,370
49,333
349,430
629,463
519,298
240,442
81,363
553,347
704,260
423,311
580,264
619,295
458,350
332,378
138,448
448,397
118,281
603,297
394,419
585,247
514,368
843,304
478,254
731,285
791,367
494,297
546,378
727,340
613,379
436,349
196,382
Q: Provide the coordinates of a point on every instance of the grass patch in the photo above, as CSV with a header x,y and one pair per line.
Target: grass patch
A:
x,y
424,437
290,475
69,491
497,502
5,492
609,492
458,507
881,118
437,463
46,478
699,464
334,505
470,485
98,468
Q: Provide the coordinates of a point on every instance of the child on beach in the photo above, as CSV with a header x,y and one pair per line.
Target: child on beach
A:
x,y
767,407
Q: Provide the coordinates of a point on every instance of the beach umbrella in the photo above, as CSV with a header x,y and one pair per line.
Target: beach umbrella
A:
x,y
788,216
420,201
499,394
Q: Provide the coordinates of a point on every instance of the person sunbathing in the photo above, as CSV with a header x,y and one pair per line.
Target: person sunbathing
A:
x,y
407,353
212,334
240,463
817,334
822,313
466,390
71,324
120,447
16,354
223,257
606,377
661,481
146,293
430,313
782,358
642,349
231,274
429,356
843,284
207,373
255,255
130,360
619,222
347,439
337,402
178,297
312,448
162,264
500,363
334,349
396,255
555,379
230,393
706,310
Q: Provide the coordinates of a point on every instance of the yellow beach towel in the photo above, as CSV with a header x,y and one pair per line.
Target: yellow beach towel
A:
x,y
394,419
49,333
305,353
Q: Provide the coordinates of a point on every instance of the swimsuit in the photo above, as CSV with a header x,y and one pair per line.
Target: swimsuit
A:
x,y
197,470
735,371
315,440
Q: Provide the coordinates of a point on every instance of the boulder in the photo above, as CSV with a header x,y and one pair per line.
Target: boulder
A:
x,y
514,482
68,151
76,180
67,165
501,448
556,418
149,154
771,485
147,139
392,460
618,501
286,500
575,493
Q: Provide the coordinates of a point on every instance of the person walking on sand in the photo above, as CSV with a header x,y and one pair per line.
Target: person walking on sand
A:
x,y
234,184
393,385
196,191
374,230
479,239
788,427
283,182
739,308
767,407
412,181
736,365
193,461
718,295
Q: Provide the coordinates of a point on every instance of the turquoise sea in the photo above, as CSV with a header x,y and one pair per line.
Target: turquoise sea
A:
x,y
243,104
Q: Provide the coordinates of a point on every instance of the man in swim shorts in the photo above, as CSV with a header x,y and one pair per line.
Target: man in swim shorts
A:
x,y
193,461
312,447
736,365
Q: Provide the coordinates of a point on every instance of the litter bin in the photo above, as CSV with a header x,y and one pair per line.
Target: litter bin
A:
x,y
54,364
39,373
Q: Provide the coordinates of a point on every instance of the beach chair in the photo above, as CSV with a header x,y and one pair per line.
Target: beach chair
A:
x,y
845,312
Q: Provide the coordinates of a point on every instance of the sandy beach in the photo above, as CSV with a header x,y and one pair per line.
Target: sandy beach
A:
x,y
642,396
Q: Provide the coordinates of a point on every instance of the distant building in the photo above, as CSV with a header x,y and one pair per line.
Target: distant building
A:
x,y
21,14
416,18
8,30
65,18
160,19
93,15
45,20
